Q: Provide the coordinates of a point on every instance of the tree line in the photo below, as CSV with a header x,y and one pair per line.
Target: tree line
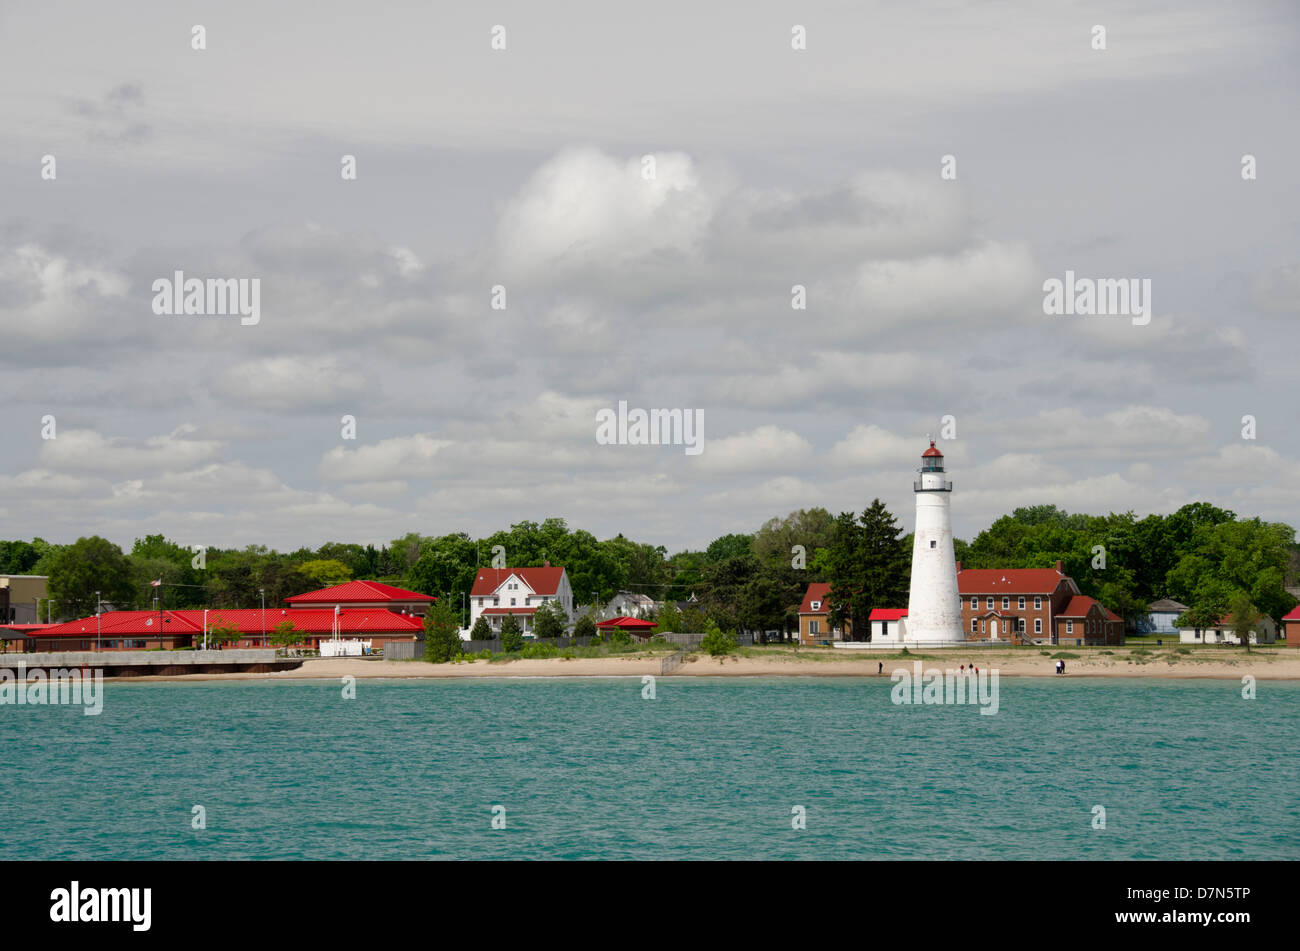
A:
x,y
1201,555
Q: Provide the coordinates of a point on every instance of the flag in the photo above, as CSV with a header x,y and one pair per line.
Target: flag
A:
x,y
156,584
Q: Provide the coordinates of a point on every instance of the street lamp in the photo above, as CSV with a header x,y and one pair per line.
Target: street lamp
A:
x,y
262,592
205,628
99,606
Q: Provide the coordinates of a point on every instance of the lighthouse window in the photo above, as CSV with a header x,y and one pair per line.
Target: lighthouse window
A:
x,y
933,543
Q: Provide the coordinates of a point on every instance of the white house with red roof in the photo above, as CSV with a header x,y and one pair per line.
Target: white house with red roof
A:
x,y
888,625
365,594
1264,631
518,591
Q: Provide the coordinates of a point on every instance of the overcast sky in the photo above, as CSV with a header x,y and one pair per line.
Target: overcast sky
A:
x,y
522,167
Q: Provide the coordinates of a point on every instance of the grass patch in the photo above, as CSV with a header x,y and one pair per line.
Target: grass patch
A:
x,y
1066,655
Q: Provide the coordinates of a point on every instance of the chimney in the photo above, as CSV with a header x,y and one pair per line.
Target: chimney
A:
x,y
959,566
547,563
1058,566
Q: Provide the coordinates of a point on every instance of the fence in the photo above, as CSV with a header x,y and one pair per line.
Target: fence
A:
x,y
672,661
494,644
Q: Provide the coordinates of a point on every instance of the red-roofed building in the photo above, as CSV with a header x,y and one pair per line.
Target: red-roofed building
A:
x,y
1013,604
633,625
139,630
1291,627
887,623
815,617
365,594
518,591
1086,622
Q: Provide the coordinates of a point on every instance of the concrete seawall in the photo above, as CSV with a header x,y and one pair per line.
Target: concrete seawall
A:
x,y
155,663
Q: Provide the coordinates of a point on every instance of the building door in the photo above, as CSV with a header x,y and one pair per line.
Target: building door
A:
x,y
993,629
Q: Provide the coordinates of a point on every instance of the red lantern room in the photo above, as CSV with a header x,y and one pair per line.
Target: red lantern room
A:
x,y
931,459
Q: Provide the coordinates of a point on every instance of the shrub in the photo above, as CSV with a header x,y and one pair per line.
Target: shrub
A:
x,y
716,641
480,631
620,638
539,650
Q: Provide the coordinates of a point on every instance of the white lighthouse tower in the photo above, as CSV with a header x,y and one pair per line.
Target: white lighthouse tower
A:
x,y
933,605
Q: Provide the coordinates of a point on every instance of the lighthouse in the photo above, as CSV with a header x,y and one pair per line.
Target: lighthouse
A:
x,y
933,604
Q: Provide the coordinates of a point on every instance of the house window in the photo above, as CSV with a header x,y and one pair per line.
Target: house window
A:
x,y
1069,627
981,626
972,625
813,628
1006,603
974,604
1038,625
1038,604
990,604
816,605
1021,625
1020,602
512,602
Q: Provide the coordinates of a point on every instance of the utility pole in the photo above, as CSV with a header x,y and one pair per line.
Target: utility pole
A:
x,y
99,606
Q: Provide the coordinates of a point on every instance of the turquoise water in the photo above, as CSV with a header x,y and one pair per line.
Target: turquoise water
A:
x,y
588,769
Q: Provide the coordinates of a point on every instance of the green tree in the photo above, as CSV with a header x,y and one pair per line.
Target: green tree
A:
x,y
481,631
729,546
326,572
285,634
512,638
548,620
1242,617
585,627
869,565
441,633
717,642
86,566
222,632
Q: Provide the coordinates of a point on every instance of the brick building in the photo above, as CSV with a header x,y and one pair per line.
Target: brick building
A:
x,y
1032,606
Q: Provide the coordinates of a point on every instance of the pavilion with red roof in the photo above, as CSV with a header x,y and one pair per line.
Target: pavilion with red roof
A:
x,y
633,625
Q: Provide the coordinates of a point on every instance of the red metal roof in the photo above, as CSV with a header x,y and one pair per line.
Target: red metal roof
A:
x,y
1008,580
817,591
248,620
887,614
358,591
627,623
931,451
544,580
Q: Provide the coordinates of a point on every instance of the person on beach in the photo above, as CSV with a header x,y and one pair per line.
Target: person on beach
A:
x,y
880,667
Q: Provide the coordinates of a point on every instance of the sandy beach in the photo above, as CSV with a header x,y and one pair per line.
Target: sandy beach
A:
x,y
1268,663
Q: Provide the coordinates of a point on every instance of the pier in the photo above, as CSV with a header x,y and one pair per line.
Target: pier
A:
x,y
147,663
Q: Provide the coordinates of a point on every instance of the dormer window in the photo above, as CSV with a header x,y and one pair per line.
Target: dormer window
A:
x,y
816,605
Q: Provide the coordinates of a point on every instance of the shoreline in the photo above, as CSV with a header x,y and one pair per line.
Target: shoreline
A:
x,y
1262,664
